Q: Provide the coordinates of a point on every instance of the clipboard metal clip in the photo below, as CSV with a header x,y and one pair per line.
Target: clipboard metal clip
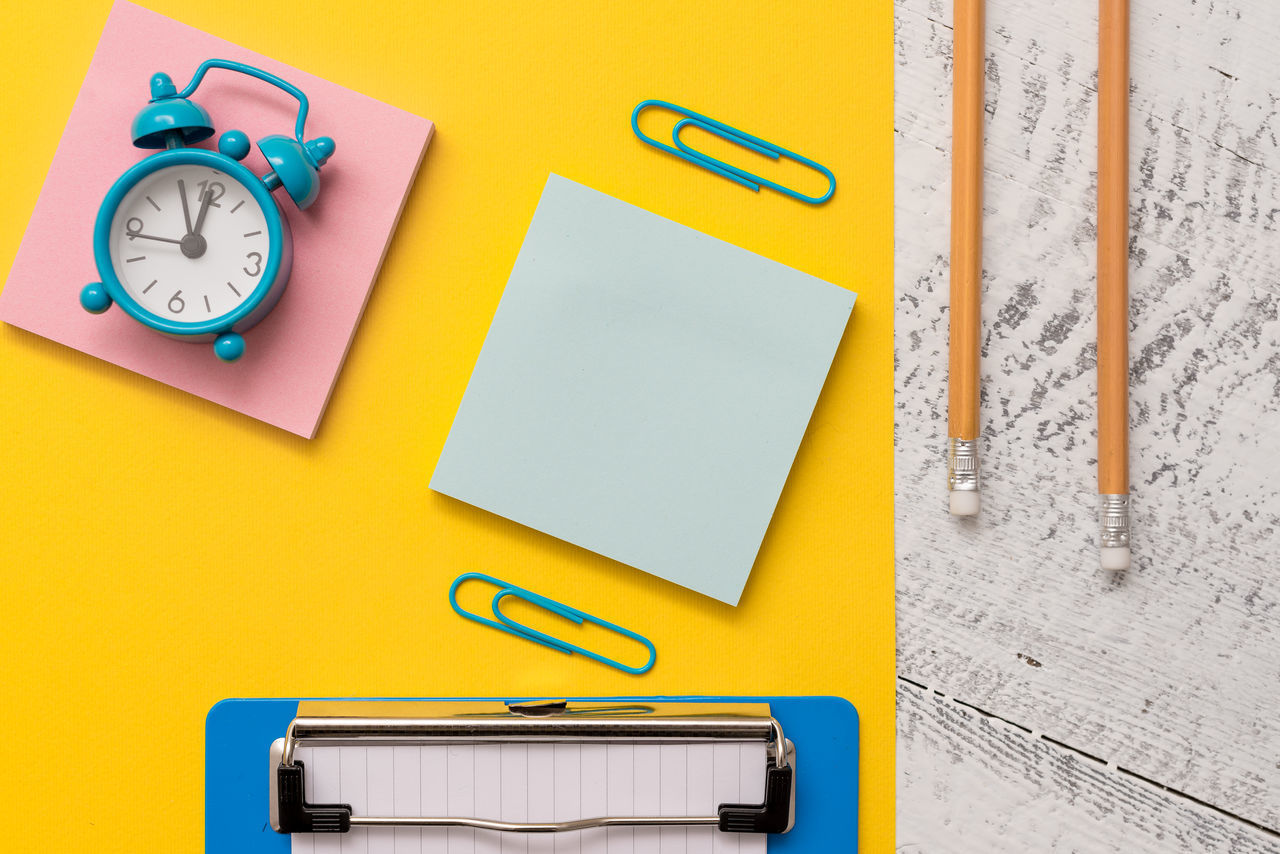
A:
x,y
531,722
729,134
504,623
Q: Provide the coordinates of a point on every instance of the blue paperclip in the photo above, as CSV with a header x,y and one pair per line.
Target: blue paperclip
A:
x,y
510,626
729,134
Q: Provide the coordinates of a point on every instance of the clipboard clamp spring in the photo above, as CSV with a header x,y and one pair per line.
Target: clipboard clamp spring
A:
x,y
558,722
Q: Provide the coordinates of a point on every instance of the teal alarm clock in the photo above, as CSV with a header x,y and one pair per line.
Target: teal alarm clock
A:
x,y
191,243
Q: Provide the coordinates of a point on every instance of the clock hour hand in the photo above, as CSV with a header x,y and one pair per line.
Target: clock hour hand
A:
x,y
205,201
186,212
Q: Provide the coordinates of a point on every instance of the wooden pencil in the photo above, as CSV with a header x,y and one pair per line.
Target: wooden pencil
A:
x,y
1113,281
968,111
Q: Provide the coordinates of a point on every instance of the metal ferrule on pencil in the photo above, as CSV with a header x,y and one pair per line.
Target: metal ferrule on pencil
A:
x,y
962,465
1115,521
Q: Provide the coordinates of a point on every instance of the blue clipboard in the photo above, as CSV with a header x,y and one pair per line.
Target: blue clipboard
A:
x,y
238,735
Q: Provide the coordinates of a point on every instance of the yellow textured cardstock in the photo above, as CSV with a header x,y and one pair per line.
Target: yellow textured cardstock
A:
x,y
161,553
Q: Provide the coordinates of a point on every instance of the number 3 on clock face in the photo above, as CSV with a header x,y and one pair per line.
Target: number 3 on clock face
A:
x,y
196,248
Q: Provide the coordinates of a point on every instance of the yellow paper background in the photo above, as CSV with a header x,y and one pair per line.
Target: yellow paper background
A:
x,y
161,553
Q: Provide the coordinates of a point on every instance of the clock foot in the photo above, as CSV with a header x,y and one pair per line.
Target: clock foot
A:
x,y
94,298
229,347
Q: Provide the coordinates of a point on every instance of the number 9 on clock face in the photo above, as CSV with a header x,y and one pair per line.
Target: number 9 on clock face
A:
x,y
189,243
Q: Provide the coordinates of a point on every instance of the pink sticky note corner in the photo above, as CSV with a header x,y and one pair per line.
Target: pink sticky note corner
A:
x,y
293,356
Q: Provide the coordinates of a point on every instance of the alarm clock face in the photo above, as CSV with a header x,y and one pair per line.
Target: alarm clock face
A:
x,y
189,243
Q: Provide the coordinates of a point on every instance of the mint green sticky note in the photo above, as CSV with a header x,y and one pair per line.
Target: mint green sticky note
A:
x,y
643,390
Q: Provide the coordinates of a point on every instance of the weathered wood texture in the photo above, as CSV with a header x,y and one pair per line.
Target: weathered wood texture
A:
x,y
1173,669
968,782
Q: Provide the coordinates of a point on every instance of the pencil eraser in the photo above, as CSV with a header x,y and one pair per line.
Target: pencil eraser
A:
x,y
1115,558
965,503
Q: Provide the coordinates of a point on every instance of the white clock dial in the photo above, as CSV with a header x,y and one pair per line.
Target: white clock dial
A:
x,y
192,265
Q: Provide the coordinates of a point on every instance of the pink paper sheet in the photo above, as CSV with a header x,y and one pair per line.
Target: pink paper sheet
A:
x,y
293,356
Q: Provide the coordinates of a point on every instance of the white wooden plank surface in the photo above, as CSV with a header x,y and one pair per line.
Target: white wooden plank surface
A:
x,y
976,783
1172,670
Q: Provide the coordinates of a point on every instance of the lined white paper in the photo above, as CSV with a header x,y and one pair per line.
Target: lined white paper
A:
x,y
535,782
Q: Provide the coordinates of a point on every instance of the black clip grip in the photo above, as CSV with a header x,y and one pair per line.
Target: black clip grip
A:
x,y
295,815
773,816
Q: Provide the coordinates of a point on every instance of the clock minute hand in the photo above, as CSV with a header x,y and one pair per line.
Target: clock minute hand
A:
x,y
186,212
132,234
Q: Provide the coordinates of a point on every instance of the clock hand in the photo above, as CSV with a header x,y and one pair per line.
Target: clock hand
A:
x,y
133,234
204,209
186,212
